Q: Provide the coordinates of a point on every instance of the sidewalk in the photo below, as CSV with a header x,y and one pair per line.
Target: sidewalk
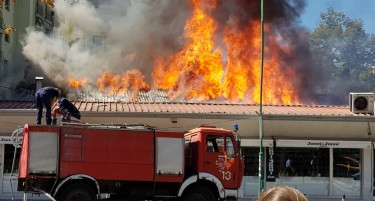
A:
x,y
19,197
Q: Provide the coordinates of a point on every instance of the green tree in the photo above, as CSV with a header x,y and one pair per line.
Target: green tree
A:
x,y
345,48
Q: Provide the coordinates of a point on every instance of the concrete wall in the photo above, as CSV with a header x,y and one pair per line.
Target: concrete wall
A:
x,y
248,125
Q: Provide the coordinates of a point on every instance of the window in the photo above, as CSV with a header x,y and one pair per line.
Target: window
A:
x,y
304,168
215,143
347,172
6,37
8,159
7,4
301,162
231,153
6,65
251,160
39,8
49,15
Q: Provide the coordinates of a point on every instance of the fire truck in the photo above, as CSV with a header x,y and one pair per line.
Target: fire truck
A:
x,y
129,162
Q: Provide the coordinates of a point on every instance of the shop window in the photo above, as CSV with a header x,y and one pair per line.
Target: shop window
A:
x,y
347,172
251,160
8,159
290,162
304,168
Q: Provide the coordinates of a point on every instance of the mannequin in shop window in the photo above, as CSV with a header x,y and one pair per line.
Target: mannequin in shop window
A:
x,y
314,166
289,167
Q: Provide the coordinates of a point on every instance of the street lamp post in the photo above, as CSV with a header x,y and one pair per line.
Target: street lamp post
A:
x,y
260,178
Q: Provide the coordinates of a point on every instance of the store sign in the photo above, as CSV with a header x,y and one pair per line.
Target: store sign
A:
x,y
324,144
271,172
8,140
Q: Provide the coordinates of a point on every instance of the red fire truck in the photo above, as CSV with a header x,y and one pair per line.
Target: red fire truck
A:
x,y
129,162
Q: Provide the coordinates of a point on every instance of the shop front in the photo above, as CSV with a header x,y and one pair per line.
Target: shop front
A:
x,y
321,169
8,178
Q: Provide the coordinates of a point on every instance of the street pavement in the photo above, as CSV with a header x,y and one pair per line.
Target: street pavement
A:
x,y
36,197
43,198
33,199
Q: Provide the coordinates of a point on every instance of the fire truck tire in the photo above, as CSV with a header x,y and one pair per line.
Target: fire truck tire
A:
x,y
198,193
77,192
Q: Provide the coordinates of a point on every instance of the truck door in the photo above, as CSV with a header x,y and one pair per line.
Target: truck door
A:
x,y
221,160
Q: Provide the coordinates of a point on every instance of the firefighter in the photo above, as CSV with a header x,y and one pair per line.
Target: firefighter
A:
x,y
46,97
67,110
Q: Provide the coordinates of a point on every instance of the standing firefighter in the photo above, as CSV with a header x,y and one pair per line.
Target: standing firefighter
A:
x,y
45,97
67,110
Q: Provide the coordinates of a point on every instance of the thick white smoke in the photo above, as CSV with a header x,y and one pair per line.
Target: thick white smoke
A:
x,y
115,36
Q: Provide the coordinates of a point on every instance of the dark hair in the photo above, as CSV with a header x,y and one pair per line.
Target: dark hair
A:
x,y
282,193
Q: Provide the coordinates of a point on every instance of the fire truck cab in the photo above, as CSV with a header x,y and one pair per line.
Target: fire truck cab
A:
x,y
130,162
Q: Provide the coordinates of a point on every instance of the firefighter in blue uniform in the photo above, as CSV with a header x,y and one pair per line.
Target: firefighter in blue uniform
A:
x,y
46,97
67,109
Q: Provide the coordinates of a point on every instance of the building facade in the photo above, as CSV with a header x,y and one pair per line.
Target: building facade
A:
x,y
20,15
325,151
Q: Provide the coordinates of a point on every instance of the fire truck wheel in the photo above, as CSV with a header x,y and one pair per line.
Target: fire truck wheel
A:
x,y
78,192
198,193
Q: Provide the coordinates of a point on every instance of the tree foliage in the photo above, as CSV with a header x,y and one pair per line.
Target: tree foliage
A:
x,y
346,49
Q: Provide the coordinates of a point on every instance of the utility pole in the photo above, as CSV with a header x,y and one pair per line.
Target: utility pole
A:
x,y
260,181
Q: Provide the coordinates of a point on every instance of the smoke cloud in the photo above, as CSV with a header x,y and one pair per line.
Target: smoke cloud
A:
x,y
282,19
116,36
121,35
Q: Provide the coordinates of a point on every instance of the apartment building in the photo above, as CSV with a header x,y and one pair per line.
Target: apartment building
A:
x,y
19,16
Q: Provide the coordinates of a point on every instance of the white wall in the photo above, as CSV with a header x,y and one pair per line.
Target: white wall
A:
x,y
248,125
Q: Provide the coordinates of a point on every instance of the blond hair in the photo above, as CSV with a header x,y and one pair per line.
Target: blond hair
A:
x,y
282,193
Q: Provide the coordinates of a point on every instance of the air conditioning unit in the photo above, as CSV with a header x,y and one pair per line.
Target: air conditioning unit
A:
x,y
362,103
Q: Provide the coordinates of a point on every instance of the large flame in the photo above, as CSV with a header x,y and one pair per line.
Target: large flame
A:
x,y
244,63
119,84
77,83
197,69
204,70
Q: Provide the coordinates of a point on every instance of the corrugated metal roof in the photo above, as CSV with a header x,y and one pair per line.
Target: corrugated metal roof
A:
x,y
192,108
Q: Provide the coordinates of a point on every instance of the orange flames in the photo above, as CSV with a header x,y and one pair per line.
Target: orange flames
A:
x,y
129,81
242,76
75,83
197,70
204,70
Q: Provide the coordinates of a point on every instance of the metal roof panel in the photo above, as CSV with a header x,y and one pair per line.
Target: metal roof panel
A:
x,y
192,108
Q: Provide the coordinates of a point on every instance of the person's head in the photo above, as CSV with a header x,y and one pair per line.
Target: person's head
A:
x,y
282,193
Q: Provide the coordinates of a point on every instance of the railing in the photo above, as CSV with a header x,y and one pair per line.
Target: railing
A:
x,y
134,126
15,138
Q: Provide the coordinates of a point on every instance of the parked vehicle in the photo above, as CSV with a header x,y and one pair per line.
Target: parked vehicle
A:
x,y
130,162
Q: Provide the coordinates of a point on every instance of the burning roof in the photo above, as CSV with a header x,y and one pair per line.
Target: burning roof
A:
x,y
201,50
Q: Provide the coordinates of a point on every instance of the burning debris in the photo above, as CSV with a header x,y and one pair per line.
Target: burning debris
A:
x,y
201,50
